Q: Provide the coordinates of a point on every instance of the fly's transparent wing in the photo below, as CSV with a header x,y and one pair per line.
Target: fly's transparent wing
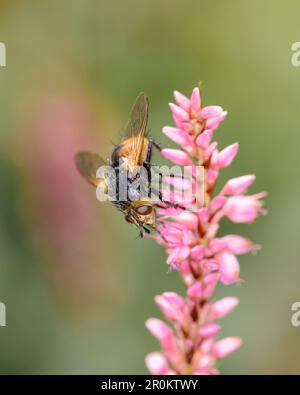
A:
x,y
137,124
87,164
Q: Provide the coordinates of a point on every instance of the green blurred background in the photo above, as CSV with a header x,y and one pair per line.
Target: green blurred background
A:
x,y
77,283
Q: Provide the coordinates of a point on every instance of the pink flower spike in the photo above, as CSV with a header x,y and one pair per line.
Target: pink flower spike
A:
x,y
238,185
189,214
195,291
223,307
226,156
171,305
209,330
182,101
226,346
178,113
204,139
177,156
179,136
213,123
157,363
196,99
229,268
211,111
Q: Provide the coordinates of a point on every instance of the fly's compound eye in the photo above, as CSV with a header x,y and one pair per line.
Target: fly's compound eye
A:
x,y
144,209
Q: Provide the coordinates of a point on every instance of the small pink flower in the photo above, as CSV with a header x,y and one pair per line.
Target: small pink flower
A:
x,y
244,209
177,156
223,307
229,268
157,364
238,185
172,305
226,346
225,157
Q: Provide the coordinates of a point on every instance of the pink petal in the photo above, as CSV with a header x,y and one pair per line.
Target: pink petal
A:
x,y
226,346
177,156
223,307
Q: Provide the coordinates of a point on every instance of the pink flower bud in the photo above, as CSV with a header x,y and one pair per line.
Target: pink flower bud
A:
x,y
171,305
225,157
157,363
189,220
177,156
238,185
211,111
195,291
223,307
237,244
197,252
213,123
203,215
196,99
217,203
209,330
243,209
178,255
204,139
182,101
229,268
163,334
177,135
179,113
226,346
179,182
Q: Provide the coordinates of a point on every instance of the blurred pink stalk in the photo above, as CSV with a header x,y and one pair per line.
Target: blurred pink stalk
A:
x,y
201,258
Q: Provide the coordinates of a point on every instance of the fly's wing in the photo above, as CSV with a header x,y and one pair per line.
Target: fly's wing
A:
x,y
136,128
87,164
